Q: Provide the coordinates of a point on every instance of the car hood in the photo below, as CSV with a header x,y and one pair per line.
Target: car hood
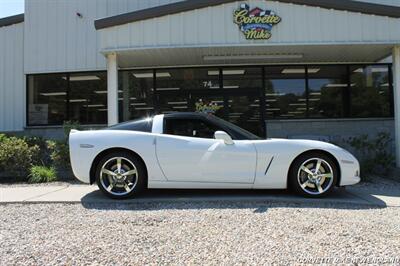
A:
x,y
301,144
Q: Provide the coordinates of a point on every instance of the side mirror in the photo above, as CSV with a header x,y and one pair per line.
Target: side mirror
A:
x,y
223,136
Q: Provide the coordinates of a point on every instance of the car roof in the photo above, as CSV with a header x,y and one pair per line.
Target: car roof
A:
x,y
186,115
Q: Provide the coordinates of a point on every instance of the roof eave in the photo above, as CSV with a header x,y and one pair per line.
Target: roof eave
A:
x,y
7,21
188,5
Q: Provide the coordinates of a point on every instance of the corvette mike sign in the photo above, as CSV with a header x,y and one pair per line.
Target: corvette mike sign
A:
x,y
256,24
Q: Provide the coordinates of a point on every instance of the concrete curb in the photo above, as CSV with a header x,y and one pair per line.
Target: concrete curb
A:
x,y
88,195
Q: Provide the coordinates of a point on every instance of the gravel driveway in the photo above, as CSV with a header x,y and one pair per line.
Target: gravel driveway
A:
x,y
195,233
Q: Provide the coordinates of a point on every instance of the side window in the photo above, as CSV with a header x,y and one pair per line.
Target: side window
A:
x,y
190,128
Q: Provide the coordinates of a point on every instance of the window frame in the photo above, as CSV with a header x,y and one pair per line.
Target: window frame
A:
x,y
28,124
390,90
67,98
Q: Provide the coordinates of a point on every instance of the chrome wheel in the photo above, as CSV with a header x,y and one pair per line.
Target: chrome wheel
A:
x,y
118,176
315,176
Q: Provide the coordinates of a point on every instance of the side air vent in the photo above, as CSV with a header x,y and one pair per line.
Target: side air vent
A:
x,y
269,165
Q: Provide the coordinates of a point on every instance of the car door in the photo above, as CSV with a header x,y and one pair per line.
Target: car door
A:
x,y
187,152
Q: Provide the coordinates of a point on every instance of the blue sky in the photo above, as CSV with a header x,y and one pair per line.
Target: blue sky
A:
x,y
11,7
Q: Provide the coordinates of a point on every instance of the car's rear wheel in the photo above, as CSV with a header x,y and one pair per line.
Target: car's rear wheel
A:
x,y
313,174
120,175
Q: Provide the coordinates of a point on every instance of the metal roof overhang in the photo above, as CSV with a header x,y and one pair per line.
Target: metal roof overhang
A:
x,y
307,34
251,55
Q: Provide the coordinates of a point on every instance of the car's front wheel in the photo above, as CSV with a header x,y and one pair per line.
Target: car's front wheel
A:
x,y
313,175
120,175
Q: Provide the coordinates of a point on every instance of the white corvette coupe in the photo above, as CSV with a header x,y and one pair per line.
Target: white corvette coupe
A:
x,y
200,151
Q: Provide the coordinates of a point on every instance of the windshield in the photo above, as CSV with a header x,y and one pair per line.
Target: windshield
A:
x,y
240,131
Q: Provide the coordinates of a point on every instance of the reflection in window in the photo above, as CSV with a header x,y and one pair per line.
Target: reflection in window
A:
x,y
88,98
327,87
244,108
242,78
136,94
187,79
285,92
206,103
370,91
244,111
190,128
177,88
47,95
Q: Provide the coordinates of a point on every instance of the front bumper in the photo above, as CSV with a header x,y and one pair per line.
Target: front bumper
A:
x,y
350,172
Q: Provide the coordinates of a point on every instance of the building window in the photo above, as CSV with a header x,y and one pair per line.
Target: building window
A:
x,y
242,95
136,94
88,98
55,98
370,91
183,90
47,97
185,79
327,91
285,92
242,89
242,78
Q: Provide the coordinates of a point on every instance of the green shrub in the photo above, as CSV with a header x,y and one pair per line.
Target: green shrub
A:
x,y
59,150
59,154
42,174
16,156
43,156
68,126
374,154
2,137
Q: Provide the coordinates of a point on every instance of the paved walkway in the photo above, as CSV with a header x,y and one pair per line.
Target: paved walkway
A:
x,y
90,194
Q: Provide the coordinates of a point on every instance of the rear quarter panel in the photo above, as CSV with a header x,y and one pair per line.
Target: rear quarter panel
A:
x,y
86,145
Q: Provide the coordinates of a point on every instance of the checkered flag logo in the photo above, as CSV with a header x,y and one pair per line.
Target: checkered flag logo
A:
x,y
266,13
255,23
244,6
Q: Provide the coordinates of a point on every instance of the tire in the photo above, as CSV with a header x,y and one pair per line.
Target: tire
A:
x,y
306,181
121,175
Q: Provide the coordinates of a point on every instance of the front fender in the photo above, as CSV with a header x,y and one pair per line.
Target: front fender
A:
x,y
274,157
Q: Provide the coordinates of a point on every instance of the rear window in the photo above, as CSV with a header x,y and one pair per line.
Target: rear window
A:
x,y
142,125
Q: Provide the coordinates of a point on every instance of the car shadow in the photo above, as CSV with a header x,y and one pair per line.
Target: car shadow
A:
x,y
260,200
